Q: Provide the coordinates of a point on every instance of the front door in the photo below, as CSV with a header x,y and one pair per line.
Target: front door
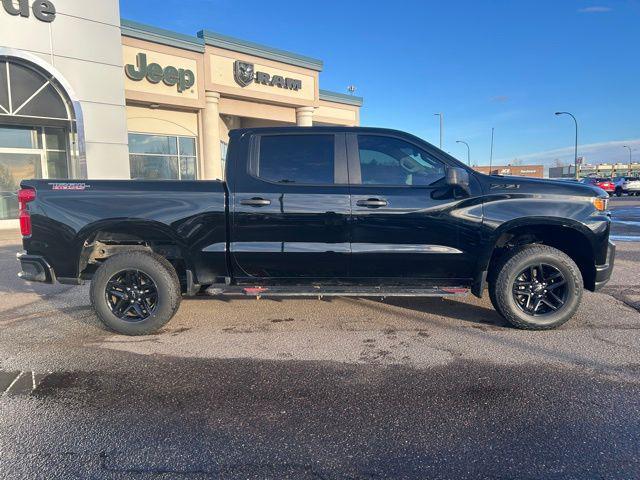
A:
x,y
290,210
404,225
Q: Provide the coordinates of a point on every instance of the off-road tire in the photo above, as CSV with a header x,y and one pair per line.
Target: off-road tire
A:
x,y
492,297
154,266
512,264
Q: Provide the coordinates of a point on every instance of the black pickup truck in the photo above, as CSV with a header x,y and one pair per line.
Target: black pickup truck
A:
x,y
320,211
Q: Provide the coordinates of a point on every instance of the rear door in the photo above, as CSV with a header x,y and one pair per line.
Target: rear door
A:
x,y
404,222
290,209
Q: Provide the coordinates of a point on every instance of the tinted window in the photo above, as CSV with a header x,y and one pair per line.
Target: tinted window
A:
x,y
391,161
153,144
296,159
19,137
4,92
153,167
162,157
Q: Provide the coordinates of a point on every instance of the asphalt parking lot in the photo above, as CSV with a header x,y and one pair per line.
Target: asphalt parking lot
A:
x,y
339,388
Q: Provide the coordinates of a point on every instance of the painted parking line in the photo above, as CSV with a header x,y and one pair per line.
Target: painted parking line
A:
x,y
627,222
19,383
7,380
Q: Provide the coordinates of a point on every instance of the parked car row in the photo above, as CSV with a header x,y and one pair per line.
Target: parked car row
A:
x,y
605,184
628,185
618,186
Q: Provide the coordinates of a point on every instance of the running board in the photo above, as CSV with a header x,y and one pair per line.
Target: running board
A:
x,y
333,291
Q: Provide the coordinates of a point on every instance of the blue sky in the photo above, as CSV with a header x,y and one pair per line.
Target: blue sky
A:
x,y
508,64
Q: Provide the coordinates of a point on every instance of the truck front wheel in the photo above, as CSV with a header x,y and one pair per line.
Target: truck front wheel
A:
x,y
537,287
135,293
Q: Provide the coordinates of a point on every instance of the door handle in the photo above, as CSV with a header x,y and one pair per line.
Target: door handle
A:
x,y
255,202
372,203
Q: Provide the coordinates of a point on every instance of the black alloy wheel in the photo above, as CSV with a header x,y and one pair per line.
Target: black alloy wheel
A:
x,y
135,293
132,295
540,290
536,287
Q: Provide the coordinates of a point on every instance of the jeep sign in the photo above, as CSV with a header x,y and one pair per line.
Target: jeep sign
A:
x,y
43,10
154,73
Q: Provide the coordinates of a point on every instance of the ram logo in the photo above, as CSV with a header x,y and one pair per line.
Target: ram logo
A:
x,y
243,73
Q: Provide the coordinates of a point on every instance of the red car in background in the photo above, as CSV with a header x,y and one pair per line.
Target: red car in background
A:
x,y
605,184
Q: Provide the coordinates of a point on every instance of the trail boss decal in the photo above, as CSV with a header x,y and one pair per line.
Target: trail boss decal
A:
x,y
244,73
154,73
69,186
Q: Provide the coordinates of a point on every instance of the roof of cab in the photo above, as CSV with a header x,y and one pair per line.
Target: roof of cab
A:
x,y
323,129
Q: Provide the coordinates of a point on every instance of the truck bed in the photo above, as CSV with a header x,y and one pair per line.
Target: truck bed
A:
x,y
188,217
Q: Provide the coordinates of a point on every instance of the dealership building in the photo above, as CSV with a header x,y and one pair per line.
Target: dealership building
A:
x,y
85,94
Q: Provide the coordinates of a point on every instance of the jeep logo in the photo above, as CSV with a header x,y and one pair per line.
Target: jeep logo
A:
x,y
154,73
43,10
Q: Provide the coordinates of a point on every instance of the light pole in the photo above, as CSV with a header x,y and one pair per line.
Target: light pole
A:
x,y
627,146
441,115
575,160
491,154
468,151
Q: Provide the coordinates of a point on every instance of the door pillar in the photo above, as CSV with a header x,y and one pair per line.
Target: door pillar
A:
x,y
304,116
211,137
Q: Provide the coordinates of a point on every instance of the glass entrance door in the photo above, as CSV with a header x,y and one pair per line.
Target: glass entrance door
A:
x,y
29,152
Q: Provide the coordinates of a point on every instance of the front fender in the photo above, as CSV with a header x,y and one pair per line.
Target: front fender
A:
x,y
505,213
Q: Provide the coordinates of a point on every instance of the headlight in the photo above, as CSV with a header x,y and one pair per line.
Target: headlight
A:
x,y
600,203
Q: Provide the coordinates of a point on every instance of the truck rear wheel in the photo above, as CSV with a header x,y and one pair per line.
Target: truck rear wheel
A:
x,y
537,287
135,293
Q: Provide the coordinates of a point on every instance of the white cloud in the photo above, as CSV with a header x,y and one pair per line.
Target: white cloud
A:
x,y
595,9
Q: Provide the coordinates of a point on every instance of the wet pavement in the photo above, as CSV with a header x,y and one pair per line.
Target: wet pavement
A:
x,y
626,219
336,389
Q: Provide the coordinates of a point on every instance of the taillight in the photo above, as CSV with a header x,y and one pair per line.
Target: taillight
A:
x,y
25,195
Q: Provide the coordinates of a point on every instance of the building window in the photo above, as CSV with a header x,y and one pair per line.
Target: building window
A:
x,y
27,93
29,152
162,157
37,130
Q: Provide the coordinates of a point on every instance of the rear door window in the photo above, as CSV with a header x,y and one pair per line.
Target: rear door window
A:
x,y
296,159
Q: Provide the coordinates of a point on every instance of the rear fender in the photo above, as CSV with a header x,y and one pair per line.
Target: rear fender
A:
x,y
99,240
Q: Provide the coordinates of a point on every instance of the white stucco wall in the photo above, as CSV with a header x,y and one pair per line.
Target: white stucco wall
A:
x,y
83,43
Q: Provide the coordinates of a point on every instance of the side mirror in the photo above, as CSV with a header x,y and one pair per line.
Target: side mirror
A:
x,y
459,177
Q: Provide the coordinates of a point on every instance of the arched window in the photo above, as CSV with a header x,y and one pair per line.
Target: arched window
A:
x,y
27,93
37,129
